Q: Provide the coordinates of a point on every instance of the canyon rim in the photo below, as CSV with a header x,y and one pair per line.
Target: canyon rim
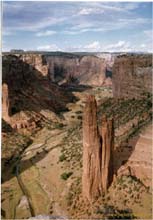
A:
x,y
76,110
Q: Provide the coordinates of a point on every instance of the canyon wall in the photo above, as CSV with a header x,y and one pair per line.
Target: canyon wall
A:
x,y
97,152
27,91
78,69
132,76
139,163
86,70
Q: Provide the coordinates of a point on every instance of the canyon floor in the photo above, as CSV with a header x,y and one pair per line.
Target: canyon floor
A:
x,y
46,178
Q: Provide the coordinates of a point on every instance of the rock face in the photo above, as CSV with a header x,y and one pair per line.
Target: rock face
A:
x,y
27,92
5,103
64,68
86,70
97,152
107,152
132,76
91,179
140,161
38,61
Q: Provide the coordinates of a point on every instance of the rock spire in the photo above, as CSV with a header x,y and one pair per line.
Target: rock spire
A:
x,y
97,152
91,150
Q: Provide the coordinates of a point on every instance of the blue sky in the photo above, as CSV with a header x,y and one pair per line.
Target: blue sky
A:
x,y
77,26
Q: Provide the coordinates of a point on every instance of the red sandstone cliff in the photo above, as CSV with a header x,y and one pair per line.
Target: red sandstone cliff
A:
x,y
139,163
28,93
132,76
86,70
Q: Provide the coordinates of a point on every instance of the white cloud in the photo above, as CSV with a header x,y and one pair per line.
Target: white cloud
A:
x,y
97,7
88,11
123,46
94,46
85,11
51,47
104,26
91,47
37,25
45,33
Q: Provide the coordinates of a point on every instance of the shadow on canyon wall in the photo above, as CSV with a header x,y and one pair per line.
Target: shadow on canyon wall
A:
x,y
29,89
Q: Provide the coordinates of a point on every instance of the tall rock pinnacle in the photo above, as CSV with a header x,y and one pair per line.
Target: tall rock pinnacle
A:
x,y
5,102
107,154
91,179
97,155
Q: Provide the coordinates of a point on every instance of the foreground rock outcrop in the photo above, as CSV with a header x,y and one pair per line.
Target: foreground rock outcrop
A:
x,y
139,163
97,152
5,103
91,179
132,76
107,132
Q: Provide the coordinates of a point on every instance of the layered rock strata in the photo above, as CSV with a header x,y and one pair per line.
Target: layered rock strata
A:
x,y
28,93
86,70
97,152
69,69
132,76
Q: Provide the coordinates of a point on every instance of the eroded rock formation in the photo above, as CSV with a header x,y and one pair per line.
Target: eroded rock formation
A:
x,y
27,93
107,152
132,76
36,61
139,163
97,152
85,70
5,103
91,179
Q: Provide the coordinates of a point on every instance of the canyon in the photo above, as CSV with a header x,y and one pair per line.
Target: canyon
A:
x,y
76,135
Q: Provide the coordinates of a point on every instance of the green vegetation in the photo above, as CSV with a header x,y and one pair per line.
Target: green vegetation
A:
x,y
59,125
72,147
62,158
136,111
123,110
65,175
111,212
78,112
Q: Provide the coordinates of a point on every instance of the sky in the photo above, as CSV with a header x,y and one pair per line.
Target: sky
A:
x,y
77,26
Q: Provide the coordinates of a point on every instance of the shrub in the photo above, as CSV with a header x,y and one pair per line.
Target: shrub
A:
x,y
78,112
65,175
59,125
80,117
62,158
